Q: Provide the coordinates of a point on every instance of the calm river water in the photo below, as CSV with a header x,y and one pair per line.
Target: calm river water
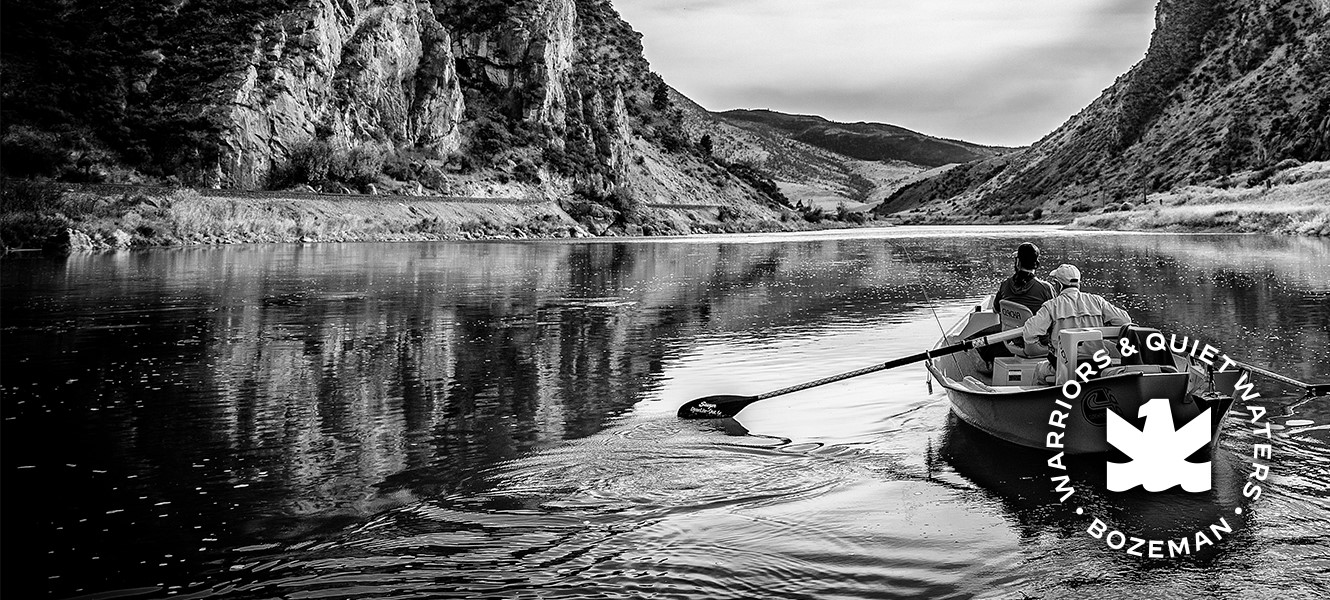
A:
x,y
496,420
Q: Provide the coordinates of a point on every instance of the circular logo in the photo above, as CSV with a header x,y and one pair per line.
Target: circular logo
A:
x,y
1161,421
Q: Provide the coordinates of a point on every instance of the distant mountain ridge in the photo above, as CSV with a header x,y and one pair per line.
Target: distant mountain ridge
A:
x,y
864,140
823,163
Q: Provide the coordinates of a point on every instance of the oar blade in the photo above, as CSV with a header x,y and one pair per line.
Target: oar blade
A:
x,y
715,407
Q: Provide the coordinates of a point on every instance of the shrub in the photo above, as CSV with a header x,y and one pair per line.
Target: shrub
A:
x,y
1037,214
27,152
309,163
24,195
29,229
672,138
489,138
399,166
527,171
360,166
624,199
845,215
316,162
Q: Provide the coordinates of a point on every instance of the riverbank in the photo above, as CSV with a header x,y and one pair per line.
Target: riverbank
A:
x,y
112,218
1295,202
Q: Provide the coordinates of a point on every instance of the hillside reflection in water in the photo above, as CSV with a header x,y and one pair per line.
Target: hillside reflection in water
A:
x,y
428,420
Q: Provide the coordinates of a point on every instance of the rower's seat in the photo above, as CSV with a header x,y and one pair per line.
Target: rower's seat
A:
x,y
1013,316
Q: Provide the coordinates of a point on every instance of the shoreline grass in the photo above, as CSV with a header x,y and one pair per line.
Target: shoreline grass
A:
x,y
46,216
1301,208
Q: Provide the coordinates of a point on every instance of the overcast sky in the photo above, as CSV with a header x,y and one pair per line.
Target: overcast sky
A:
x,y
1003,72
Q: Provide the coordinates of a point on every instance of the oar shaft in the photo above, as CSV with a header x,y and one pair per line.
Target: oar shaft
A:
x,y
1312,388
891,364
843,376
717,407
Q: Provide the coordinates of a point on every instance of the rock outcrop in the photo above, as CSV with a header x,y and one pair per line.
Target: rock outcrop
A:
x,y
349,72
456,96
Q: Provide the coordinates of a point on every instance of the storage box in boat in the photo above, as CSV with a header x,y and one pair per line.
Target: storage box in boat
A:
x,y
1010,370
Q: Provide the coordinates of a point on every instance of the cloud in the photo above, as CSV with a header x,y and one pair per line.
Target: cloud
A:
x,y
994,72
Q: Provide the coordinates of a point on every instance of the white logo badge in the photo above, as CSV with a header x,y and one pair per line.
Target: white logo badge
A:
x,y
1159,452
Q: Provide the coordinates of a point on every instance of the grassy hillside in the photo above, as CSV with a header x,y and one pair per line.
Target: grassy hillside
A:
x,y
863,141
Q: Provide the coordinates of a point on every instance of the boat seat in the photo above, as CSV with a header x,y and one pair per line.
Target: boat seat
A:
x,y
1071,355
1014,315
981,322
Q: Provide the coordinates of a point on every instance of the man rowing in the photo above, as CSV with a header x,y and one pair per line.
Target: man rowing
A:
x,y
1023,287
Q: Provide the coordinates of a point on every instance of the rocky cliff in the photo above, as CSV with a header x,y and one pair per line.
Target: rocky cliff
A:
x,y
515,97
1225,86
340,71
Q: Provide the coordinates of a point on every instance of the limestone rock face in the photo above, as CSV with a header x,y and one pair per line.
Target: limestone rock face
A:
x,y
353,71
528,56
346,71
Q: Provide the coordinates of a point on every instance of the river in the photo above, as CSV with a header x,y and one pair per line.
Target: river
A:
x,y
496,420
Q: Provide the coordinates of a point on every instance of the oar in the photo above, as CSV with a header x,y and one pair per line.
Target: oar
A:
x,y
1313,389
719,407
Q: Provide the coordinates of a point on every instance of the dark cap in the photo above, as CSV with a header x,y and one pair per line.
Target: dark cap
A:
x,y
1027,255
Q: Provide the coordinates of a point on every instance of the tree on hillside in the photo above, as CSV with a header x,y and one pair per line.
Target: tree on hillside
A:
x,y
660,99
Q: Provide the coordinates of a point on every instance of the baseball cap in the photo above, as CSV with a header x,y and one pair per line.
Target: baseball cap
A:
x,y
1066,274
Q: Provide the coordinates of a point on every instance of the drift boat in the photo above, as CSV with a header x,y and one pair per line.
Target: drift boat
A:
x,y
1008,404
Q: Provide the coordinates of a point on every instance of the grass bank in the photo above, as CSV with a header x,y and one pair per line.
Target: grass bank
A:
x,y
72,220
1299,209
1296,201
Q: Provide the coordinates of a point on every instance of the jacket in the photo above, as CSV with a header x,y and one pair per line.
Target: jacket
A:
x,y
1071,308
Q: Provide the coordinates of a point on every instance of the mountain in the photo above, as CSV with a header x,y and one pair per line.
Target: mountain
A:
x,y
824,163
862,141
1226,87
544,98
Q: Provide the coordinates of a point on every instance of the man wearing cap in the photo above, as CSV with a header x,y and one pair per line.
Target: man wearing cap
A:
x,y
1070,308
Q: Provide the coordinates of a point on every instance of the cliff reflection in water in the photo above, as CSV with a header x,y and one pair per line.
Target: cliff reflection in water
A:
x,y
417,372
168,411
329,379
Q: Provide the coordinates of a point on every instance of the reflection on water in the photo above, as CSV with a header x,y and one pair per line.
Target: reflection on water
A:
x,y
463,419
